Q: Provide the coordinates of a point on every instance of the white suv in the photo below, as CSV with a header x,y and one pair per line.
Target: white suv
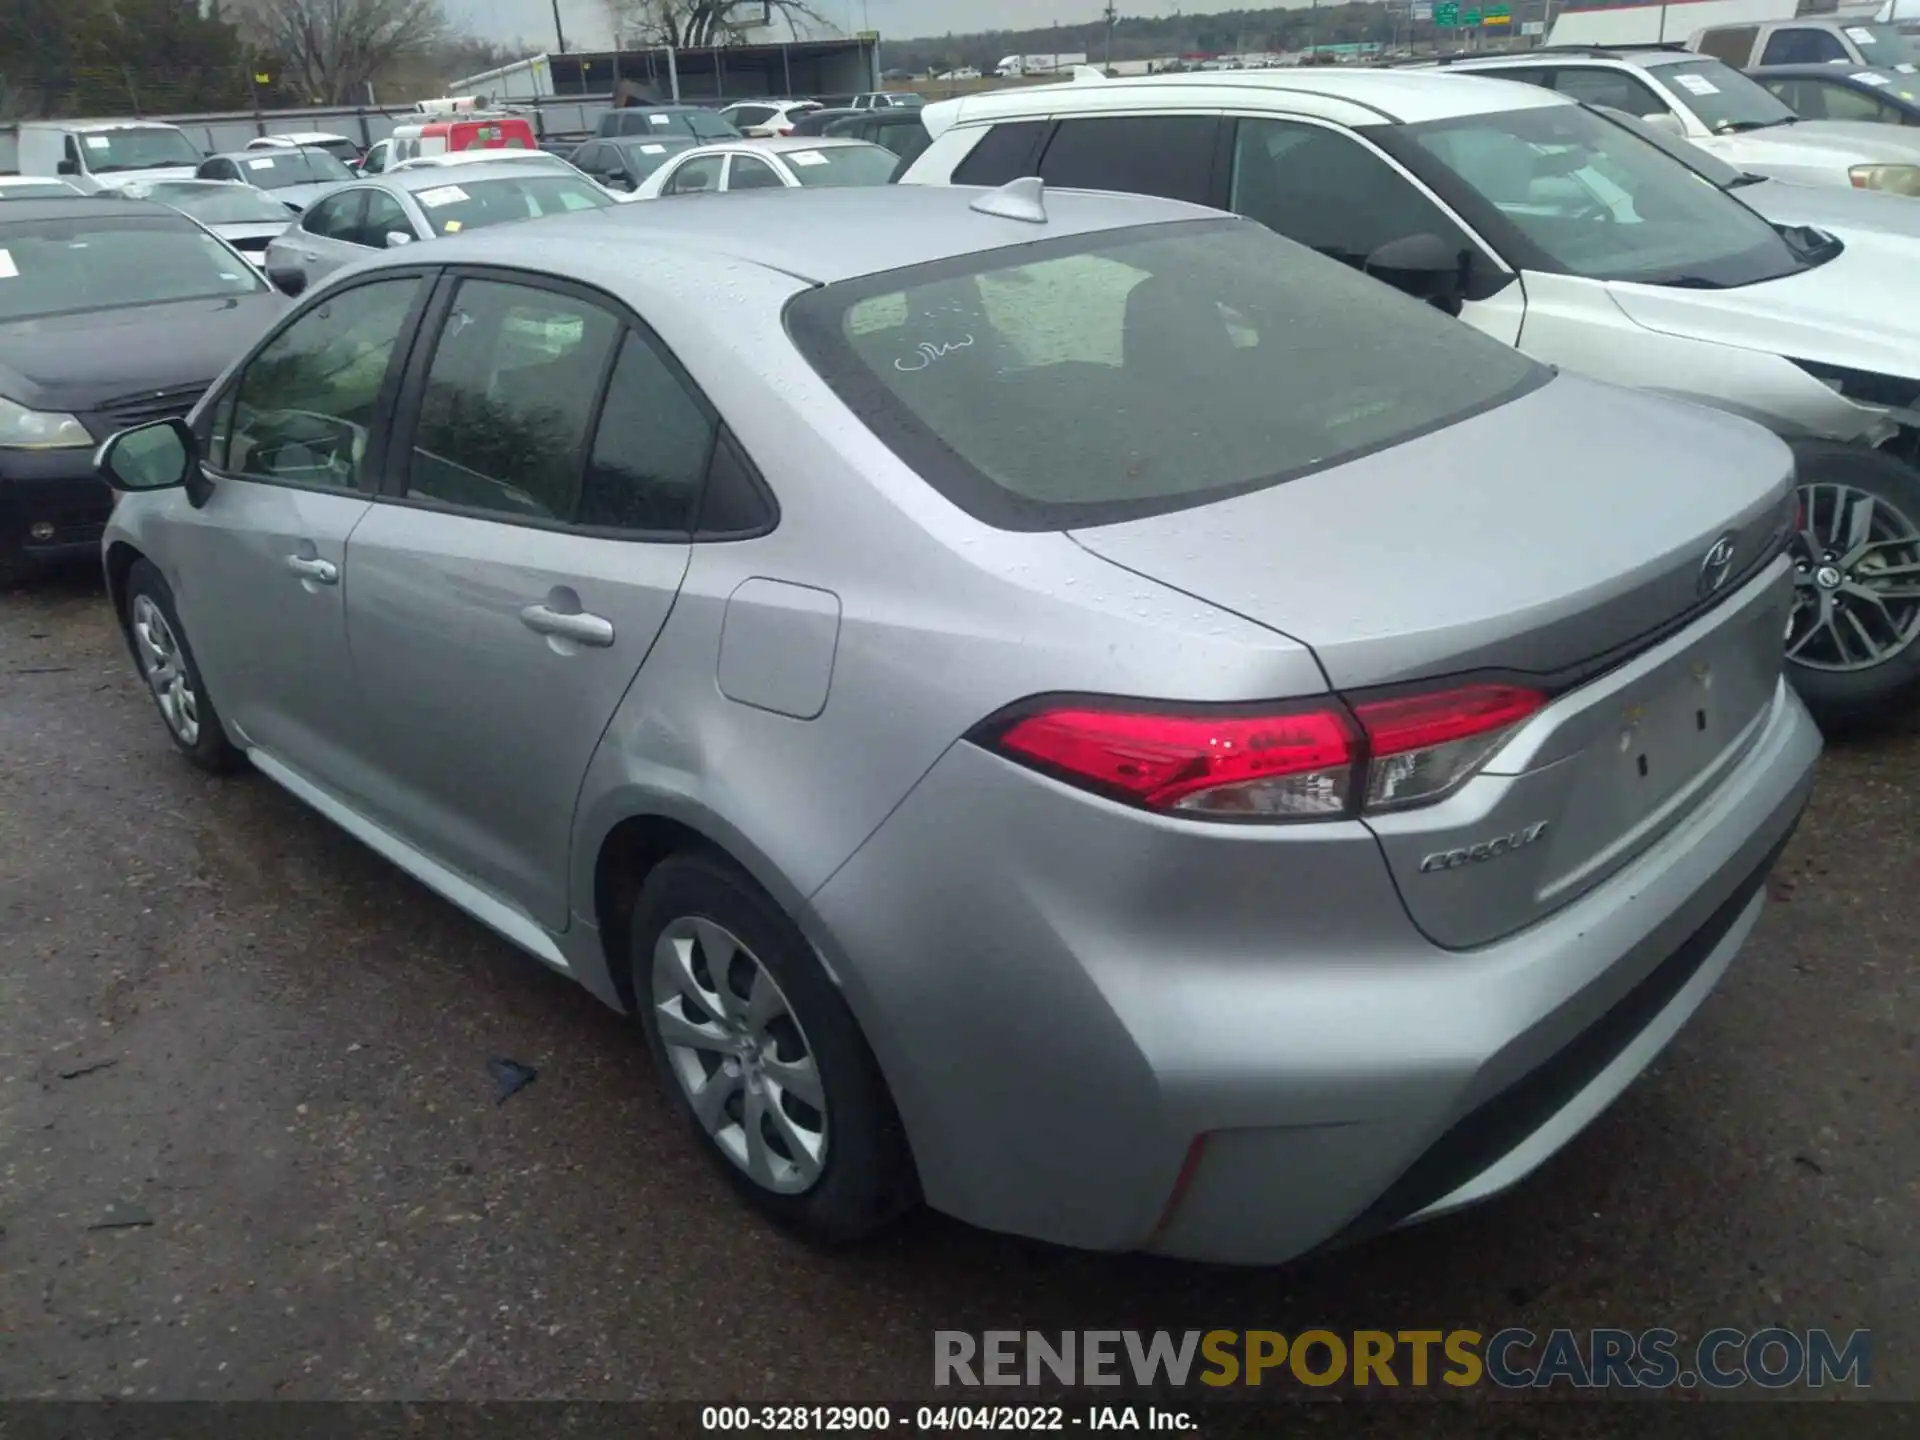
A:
x,y
1718,109
1562,232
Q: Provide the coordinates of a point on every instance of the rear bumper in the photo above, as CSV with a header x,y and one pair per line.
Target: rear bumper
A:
x,y
52,505
1065,995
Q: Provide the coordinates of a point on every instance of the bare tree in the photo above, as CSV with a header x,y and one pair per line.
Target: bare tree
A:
x,y
699,24
332,48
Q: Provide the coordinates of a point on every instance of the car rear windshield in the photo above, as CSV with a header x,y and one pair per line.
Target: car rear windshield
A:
x,y
217,203
475,204
837,165
63,267
1134,372
276,169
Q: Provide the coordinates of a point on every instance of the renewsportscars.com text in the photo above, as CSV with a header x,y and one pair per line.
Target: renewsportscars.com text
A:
x,y
1511,1359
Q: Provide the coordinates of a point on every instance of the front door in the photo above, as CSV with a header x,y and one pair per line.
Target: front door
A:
x,y
263,571
510,586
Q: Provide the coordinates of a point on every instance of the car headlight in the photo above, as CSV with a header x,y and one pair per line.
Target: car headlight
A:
x,y
24,429
1899,179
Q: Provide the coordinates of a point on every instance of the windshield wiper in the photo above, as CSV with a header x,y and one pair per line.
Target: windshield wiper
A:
x,y
1690,282
1741,127
1746,177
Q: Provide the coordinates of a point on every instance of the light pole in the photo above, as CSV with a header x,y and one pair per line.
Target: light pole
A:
x,y
559,34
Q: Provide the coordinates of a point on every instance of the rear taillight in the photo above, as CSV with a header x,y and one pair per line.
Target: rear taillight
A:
x,y
1322,761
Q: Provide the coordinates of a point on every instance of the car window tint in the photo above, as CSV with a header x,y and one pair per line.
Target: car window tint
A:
x,y
698,174
733,502
1842,102
750,173
1802,45
509,394
1131,372
1733,44
1166,155
384,216
337,217
650,451
1610,87
306,402
1005,152
1328,192
750,115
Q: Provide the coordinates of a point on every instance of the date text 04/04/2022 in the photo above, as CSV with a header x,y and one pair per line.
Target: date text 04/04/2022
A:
x,y
992,1419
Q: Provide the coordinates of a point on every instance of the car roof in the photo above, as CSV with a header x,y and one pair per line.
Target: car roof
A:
x,y
94,125
431,177
1826,68
677,139
299,137
80,207
1549,54
1387,95
820,236
782,144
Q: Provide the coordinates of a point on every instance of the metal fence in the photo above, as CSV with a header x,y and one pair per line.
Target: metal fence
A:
x,y
219,132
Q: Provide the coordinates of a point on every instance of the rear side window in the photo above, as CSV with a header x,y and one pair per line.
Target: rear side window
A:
x,y
1734,44
1166,155
652,449
1095,379
1005,152
1613,88
1802,45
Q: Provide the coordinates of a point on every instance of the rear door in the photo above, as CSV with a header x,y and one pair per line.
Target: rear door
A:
x,y
536,524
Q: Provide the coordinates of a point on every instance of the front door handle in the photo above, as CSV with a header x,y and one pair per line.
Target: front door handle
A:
x,y
308,567
582,629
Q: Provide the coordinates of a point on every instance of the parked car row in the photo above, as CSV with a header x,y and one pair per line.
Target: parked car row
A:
x,y
1058,625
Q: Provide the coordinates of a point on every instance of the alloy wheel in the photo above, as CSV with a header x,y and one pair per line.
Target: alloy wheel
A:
x,y
742,1060
165,668
1856,601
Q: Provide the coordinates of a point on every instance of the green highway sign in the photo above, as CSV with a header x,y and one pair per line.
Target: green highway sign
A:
x,y
1446,14
1500,11
1471,18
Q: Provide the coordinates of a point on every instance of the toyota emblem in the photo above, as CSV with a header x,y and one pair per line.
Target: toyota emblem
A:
x,y
1717,567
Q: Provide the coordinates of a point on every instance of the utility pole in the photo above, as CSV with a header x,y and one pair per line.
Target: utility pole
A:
x,y
1112,20
558,33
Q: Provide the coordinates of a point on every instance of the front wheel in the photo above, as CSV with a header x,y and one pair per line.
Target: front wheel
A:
x,y
1853,641
761,1055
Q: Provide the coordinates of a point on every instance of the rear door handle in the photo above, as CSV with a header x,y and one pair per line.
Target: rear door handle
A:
x,y
307,567
583,629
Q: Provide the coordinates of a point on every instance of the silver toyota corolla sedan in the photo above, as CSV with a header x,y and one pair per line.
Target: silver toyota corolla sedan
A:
x,y
1067,705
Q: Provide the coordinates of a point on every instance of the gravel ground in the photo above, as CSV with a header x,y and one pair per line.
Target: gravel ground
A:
x,y
259,1054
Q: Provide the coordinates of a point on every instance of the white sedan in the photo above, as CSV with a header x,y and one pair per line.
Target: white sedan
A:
x,y
459,159
810,162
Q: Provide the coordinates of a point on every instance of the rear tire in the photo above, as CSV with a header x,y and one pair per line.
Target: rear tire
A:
x,y
1853,646
761,1056
166,663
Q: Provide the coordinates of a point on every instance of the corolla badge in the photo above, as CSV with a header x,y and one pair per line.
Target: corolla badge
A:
x,y
1484,850
1717,567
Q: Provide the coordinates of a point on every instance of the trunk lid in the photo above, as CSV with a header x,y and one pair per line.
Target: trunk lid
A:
x,y
1568,529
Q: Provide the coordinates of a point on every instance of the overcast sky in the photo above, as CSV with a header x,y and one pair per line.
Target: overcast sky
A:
x,y
588,28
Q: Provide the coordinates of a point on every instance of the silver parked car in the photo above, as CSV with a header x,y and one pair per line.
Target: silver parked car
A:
x,y
246,218
406,205
1068,705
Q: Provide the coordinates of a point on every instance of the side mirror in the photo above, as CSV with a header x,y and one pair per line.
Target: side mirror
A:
x,y
1667,121
397,238
288,282
66,167
160,456
1425,267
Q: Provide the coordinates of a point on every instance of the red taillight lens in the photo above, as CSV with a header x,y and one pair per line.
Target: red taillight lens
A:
x,y
1285,764
1311,763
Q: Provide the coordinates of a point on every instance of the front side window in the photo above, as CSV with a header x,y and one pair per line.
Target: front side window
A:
x,y
1328,192
475,204
1615,89
509,395
1166,155
1099,378
111,262
752,173
651,451
1569,192
1723,100
337,217
837,166
305,404
697,176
